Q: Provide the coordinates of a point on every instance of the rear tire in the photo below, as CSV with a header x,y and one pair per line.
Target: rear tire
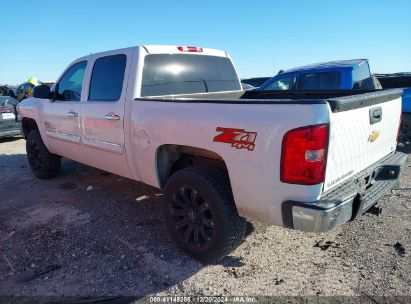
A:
x,y
43,164
200,213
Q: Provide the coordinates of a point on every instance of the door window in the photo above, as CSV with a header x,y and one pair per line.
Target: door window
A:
x,y
320,81
107,78
71,83
284,83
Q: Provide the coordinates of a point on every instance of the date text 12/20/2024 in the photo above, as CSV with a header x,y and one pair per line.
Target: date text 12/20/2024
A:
x,y
202,299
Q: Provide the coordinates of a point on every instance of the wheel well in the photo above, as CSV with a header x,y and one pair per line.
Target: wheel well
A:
x,y
27,125
171,158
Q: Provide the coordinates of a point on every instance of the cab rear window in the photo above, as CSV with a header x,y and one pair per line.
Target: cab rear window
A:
x,y
320,81
174,74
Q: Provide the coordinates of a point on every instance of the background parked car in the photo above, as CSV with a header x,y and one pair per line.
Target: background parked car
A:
x,y
400,80
47,83
21,91
333,75
6,91
8,124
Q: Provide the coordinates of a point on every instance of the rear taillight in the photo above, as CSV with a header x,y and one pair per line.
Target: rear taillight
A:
x,y
191,49
304,155
6,110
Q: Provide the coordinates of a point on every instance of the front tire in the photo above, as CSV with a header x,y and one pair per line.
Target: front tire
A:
x,y
200,213
43,164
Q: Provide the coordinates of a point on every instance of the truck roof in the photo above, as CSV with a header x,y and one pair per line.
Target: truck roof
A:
x,y
175,49
169,49
338,64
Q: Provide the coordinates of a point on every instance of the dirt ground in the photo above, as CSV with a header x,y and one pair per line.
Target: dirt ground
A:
x,y
59,239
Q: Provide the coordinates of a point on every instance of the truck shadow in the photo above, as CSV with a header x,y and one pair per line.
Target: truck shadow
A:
x,y
405,148
88,233
9,139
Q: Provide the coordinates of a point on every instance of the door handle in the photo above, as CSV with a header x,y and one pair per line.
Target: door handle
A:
x,y
112,117
72,114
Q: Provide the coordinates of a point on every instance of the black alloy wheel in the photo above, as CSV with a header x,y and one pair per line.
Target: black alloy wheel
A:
x,y
43,164
200,213
192,217
33,155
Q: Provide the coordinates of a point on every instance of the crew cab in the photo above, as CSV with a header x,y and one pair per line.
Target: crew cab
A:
x,y
175,117
333,75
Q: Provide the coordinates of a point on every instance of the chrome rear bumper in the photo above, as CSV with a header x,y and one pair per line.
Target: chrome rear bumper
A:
x,y
349,200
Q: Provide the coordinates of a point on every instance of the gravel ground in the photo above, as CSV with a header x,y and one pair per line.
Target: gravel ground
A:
x,y
59,239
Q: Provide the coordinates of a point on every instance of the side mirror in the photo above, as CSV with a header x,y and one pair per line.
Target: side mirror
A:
x,y
42,91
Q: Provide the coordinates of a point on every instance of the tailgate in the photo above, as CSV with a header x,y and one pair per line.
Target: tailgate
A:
x,y
363,130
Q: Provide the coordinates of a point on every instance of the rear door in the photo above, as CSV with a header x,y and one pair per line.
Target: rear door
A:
x,y
102,114
361,137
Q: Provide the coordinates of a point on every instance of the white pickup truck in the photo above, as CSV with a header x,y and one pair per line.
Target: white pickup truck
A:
x,y
176,118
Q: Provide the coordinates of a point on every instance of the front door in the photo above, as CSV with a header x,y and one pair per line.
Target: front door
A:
x,y
62,115
102,113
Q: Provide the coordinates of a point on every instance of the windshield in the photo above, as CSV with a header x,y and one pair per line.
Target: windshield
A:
x,y
173,74
7,101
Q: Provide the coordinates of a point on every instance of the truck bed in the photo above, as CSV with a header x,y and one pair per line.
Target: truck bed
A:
x,y
339,100
349,117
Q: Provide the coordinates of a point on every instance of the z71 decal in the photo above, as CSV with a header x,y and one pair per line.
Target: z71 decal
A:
x,y
238,138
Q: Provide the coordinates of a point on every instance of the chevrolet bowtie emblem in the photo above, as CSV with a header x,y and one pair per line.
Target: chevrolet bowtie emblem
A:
x,y
373,136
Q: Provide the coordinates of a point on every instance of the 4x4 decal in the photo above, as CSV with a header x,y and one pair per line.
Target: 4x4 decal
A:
x,y
238,138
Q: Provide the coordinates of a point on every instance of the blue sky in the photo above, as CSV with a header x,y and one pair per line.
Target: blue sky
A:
x,y
42,37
